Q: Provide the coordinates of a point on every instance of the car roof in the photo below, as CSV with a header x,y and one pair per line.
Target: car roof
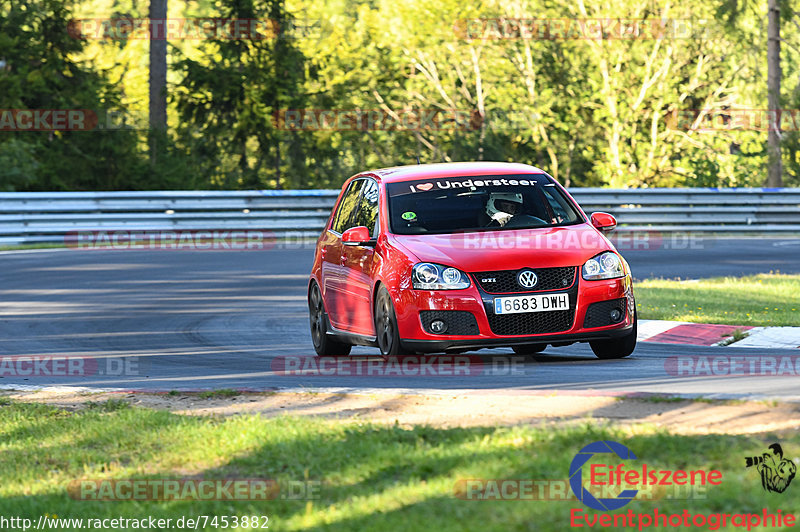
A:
x,y
431,171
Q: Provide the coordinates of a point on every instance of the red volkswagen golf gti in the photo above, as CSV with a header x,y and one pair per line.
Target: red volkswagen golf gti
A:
x,y
460,256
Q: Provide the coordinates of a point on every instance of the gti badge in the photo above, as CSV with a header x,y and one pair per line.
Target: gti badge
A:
x,y
527,279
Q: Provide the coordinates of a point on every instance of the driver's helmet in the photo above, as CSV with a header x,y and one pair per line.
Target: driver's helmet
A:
x,y
503,203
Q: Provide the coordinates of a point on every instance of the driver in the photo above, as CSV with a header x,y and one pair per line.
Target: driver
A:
x,y
502,206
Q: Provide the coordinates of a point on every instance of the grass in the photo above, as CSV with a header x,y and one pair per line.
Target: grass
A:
x,y
111,405
757,300
698,399
659,399
222,393
373,477
17,247
734,337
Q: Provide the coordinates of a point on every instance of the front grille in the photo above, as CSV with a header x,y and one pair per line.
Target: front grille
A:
x,y
597,315
458,322
529,323
505,281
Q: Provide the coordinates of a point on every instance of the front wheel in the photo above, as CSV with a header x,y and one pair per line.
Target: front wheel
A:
x,y
616,347
387,336
324,344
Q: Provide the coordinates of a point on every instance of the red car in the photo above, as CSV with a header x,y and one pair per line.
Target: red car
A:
x,y
460,256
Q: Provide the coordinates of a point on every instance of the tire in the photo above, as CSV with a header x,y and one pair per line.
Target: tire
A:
x,y
325,344
616,347
529,349
386,335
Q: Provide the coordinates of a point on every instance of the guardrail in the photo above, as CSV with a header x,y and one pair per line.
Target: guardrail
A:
x,y
37,217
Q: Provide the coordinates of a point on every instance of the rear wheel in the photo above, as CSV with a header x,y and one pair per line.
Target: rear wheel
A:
x,y
386,325
529,349
616,347
324,344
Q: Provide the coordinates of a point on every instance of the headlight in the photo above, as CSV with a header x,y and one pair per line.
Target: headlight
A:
x,y
429,276
606,265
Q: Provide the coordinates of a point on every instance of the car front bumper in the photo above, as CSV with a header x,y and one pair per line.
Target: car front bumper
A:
x,y
490,330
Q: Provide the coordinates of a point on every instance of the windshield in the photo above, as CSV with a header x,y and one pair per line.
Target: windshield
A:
x,y
477,203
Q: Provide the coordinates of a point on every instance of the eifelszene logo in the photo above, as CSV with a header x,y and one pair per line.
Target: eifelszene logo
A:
x,y
576,475
616,476
776,471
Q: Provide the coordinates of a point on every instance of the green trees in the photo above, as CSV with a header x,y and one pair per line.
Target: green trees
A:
x,y
39,72
597,93
227,99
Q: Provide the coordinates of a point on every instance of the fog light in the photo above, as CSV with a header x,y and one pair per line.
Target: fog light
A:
x,y
615,315
438,326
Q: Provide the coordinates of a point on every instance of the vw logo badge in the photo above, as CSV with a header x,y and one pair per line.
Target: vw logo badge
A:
x,y
527,279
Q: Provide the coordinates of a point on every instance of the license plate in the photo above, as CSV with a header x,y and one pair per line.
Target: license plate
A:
x,y
534,303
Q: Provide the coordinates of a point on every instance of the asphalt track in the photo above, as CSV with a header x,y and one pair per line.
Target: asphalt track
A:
x,y
191,320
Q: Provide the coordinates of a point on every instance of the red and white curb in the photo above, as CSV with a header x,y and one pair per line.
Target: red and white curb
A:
x,y
707,334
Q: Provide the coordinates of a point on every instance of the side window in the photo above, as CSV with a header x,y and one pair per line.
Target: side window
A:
x,y
559,205
346,207
367,213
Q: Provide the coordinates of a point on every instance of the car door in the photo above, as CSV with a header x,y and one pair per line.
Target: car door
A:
x,y
357,265
332,274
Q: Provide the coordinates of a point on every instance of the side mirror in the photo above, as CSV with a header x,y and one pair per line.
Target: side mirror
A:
x,y
357,236
603,221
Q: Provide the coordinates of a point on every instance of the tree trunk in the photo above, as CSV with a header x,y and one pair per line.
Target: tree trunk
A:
x,y
158,74
774,94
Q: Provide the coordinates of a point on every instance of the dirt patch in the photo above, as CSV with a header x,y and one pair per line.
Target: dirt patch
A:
x,y
463,410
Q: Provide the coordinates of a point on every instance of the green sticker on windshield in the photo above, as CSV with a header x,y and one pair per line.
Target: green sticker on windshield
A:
x,y
410,216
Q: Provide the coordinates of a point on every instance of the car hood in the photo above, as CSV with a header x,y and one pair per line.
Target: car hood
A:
x,y
508,250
